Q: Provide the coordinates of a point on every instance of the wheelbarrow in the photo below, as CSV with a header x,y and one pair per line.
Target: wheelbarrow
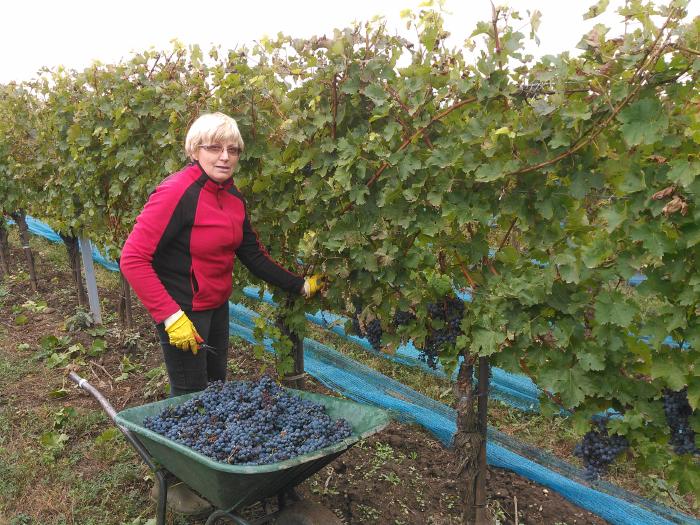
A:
x,y
231,488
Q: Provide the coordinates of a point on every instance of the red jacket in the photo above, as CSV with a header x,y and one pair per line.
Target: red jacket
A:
x,y
180,253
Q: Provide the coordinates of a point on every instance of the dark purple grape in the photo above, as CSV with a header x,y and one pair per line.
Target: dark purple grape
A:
x,y
678,411
449,312
373,332
598,449
249,422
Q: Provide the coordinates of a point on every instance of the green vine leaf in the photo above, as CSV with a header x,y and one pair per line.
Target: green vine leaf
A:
x,y
643,122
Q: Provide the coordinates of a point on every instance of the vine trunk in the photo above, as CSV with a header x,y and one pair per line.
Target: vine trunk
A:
x,y
4,250
20,219
73,250
470,443
296,378
126,317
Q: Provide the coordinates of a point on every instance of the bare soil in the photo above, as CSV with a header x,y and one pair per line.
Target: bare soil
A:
x,y
399,476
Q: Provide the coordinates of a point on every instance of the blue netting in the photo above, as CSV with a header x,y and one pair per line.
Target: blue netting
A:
x,y
516,390
363,384
44,230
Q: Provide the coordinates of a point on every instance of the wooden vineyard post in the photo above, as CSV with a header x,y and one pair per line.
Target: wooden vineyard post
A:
x,y
74,260
4,249
126,317
91,282
470,443
21,221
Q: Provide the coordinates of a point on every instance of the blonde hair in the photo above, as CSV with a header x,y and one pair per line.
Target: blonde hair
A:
x,y
212,128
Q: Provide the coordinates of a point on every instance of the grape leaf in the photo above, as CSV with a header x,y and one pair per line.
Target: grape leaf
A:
x,y
643,122
611,307
683,172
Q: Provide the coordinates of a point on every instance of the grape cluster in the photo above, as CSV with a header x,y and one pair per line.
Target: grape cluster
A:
x,y
373,329
402,318
249,423
373,332
449,311
597,449
677,410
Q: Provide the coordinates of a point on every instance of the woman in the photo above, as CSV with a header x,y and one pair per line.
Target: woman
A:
x,y
180,255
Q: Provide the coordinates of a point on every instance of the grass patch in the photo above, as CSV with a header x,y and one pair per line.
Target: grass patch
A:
x,y
10,473
100,478
12,370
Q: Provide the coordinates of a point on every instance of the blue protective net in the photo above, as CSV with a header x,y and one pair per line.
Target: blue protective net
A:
x,y
516,390
365,385
39,228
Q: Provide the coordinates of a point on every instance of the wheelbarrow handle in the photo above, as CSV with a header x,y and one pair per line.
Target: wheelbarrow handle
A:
x,y
112,413
133,440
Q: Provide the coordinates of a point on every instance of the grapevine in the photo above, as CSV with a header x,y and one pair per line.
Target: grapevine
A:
x,y
369,170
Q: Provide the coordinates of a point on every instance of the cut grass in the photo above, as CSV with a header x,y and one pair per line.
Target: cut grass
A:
x,y
13,370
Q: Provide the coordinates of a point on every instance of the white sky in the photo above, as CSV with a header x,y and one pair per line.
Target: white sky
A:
x,y
73,33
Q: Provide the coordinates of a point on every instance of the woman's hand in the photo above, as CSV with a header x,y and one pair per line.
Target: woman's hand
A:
x,y
313,284
182,334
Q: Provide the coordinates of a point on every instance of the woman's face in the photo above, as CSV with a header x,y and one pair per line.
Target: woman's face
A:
x,y
218,160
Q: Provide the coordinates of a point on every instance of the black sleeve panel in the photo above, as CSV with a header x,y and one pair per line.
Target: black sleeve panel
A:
x,y
173,259
254,256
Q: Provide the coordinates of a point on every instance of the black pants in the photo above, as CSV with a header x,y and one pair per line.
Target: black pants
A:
x,y
191,373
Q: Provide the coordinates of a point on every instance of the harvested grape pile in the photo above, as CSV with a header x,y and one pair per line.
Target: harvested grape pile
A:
x,y
249,423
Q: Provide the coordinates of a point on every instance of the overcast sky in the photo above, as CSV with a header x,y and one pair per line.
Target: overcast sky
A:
x,y
73,33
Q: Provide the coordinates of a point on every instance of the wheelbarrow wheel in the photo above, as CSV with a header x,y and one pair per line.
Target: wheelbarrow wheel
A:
x,y
306,513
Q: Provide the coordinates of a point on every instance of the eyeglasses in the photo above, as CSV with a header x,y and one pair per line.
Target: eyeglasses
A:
x,y
218,148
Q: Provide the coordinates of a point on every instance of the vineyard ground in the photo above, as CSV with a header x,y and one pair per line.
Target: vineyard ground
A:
x,y
401,476
552,435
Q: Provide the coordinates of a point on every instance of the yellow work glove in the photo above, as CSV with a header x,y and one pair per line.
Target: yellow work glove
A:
x,y
313,284
183,334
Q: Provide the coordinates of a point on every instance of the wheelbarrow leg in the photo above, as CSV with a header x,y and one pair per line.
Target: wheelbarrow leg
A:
x,y
223,514
281,500
162,497
293,494
288,494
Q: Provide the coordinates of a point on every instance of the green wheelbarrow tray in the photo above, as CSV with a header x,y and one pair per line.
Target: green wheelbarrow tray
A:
x,y
235,486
